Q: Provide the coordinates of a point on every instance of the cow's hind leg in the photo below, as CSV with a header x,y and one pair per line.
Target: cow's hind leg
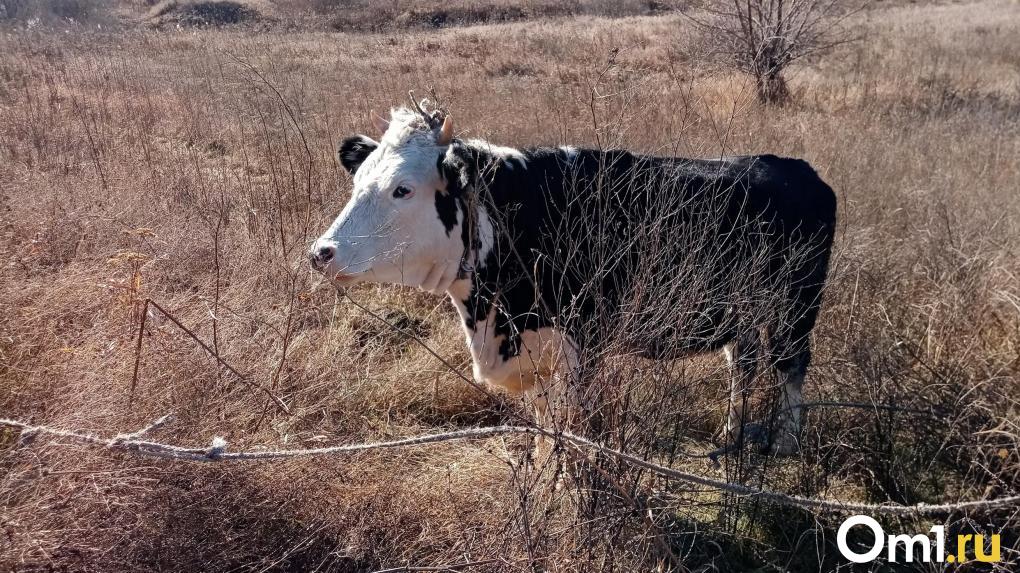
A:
x,y
790,355
742,355
784,439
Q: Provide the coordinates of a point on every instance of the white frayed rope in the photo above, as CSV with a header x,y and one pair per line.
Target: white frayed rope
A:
x,y
217,451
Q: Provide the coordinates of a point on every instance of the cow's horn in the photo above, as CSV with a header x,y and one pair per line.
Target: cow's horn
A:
x,y
417,105
445,132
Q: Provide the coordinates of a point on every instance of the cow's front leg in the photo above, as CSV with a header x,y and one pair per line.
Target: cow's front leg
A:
x,y
539,398
544,416
555,401
554,396
548,360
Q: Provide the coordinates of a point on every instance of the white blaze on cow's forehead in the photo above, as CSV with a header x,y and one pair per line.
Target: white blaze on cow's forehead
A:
x,y
388,166
408,128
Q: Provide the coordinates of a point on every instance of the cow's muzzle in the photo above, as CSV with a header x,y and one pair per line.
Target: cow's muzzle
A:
x,y
321,254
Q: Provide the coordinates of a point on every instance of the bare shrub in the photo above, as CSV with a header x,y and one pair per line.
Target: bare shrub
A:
x,y
762,37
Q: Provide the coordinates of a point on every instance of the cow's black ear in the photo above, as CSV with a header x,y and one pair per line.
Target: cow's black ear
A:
x,y
458,168
353,151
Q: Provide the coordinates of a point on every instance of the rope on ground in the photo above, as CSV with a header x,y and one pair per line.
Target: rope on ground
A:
x,y
217,451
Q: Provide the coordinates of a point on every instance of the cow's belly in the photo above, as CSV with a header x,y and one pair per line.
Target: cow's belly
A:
x,y
688,336
672,348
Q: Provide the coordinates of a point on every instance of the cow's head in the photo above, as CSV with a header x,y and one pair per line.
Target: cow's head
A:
x,y
402,223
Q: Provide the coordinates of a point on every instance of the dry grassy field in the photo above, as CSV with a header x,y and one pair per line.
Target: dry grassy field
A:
x,y
142,158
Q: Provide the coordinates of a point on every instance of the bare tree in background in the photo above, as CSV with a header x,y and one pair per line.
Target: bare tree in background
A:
x,y
762,37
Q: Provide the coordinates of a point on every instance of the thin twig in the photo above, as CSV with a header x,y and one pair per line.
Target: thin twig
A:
x,y
149,302
138,355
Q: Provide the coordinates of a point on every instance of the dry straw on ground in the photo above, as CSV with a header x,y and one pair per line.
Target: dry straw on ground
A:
x,y
193,167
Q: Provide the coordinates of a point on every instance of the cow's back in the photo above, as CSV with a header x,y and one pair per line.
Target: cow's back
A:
x,y
664,247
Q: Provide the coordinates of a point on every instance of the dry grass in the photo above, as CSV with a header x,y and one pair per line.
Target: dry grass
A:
x,y
143,164
321,15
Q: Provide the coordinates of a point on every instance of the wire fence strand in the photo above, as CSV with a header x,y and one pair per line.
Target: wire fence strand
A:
x,y
216,451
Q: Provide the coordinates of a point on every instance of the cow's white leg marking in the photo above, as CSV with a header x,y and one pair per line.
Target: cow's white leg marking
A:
x,y
734,419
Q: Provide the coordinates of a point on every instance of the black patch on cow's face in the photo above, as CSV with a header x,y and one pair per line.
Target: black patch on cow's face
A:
x,y
353,151
446,207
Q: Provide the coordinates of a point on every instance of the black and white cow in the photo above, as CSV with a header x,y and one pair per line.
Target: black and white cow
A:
x,y
542,249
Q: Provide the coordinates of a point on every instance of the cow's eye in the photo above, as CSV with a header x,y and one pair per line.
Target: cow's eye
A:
x,y
401,192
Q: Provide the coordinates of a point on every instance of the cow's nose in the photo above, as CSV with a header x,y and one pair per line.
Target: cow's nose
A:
x,y
321,255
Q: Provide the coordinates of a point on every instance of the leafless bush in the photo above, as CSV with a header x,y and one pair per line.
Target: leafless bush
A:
x,y
763,37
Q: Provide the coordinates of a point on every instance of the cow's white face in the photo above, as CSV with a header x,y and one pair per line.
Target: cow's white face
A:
x,y
401,225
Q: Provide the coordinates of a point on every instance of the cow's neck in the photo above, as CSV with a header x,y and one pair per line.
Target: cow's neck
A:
x,y
475,298
465,299
469,296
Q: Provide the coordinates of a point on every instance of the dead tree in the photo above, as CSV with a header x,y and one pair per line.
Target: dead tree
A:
x,y
762,37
